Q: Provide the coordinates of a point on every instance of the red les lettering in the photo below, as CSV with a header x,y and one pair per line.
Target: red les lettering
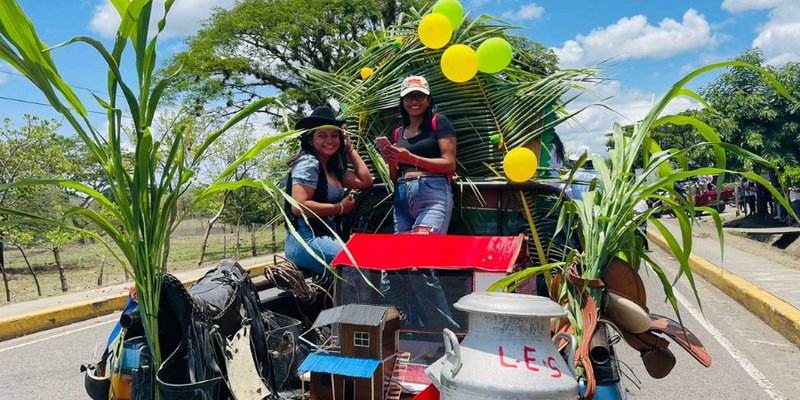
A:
x,y
529,360
550,362
503,363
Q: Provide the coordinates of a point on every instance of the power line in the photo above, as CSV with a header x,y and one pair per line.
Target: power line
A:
x,y
74,86
42,104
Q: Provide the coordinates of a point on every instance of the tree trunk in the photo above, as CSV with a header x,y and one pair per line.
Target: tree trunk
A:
x,y
30,268
238,235
102,267
274,240
61,273
3,267
253,248
761,201
211,223
224,241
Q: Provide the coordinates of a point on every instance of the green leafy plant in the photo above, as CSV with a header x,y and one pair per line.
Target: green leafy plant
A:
x,y
605,223
139,212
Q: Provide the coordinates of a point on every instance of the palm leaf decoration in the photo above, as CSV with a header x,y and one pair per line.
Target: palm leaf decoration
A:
x,y
514,103
517,104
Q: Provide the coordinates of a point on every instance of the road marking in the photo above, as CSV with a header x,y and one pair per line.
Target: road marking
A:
x,y
769,343
740,358
59,335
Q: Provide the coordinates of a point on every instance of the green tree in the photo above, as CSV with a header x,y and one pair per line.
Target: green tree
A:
x,y
680,137
260,46
747,112
33,150
265,46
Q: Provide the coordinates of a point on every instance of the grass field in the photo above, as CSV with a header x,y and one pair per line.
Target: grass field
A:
x,y
83,262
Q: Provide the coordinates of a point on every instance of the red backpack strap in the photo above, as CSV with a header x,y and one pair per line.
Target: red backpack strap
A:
x,y
434,125
396,134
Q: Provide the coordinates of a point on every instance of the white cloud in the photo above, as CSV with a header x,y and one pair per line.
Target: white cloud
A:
x,y
748,5
626,107
779,38
184,17
634,37
529,11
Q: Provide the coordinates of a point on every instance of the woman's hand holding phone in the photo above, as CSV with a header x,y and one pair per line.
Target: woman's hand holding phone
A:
x,y
383,142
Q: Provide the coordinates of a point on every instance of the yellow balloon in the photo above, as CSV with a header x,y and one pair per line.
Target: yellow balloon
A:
x,y
520,164
459,63
435,30
366,72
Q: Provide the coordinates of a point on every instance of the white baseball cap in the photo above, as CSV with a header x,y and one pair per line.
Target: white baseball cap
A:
x,y
414,83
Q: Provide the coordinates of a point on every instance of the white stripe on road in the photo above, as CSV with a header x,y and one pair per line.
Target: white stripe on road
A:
x,y
746,365
59,335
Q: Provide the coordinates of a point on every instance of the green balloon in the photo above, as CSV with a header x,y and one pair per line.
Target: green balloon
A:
x,y
343,107
495,139
451,9
494,55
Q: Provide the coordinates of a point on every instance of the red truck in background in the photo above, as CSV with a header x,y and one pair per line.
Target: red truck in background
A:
x,y
709,198
705,198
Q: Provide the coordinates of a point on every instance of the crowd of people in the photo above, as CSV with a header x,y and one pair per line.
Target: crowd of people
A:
x,y
749,192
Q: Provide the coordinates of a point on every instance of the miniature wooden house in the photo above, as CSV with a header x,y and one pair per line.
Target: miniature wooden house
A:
x,y
367,356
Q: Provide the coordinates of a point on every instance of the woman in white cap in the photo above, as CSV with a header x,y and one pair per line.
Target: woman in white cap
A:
x,y
422,160
318,180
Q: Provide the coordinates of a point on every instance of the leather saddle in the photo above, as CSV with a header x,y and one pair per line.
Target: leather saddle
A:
x,y
194,324
624,308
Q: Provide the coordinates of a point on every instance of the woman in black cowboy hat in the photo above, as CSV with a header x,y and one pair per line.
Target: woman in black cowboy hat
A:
x,y
318,179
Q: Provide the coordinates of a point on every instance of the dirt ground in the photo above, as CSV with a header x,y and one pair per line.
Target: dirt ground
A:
x,y
757,244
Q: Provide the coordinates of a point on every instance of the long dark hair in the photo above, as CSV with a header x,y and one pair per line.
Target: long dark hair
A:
x,y
336,164
427,119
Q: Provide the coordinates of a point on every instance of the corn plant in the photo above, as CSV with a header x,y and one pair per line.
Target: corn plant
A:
x,y
604,221
139,212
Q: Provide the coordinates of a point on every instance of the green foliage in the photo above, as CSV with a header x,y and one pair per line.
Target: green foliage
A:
x,y
791,176
138,211
681,137
605,221
749,113
514,102
260,46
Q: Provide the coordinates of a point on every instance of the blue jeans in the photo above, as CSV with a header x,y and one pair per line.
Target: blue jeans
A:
x,y
325,247
425,200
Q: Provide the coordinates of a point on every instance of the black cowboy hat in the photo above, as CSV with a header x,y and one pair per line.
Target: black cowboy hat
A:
x,y
323,115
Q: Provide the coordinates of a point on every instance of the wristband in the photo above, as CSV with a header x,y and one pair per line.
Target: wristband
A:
x,y
341,208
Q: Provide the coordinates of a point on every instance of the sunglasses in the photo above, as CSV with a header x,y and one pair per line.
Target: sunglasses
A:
x,y
416,96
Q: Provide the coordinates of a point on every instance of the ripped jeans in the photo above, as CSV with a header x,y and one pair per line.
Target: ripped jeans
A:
x,y
425,200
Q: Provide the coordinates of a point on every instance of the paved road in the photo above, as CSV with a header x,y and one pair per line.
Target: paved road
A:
x,y
46,365
751,361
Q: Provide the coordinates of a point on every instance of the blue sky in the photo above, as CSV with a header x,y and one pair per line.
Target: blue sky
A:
x,y
651,45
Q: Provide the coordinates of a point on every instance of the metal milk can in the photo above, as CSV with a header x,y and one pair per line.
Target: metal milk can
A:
x,y
507,353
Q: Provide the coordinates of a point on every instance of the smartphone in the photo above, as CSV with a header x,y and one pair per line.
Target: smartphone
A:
x,y
383,141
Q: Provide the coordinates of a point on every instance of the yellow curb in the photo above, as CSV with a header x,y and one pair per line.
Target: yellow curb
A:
x,y
53,317
779,315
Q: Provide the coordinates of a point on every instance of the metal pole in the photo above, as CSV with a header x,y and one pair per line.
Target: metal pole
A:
x,y
333,387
